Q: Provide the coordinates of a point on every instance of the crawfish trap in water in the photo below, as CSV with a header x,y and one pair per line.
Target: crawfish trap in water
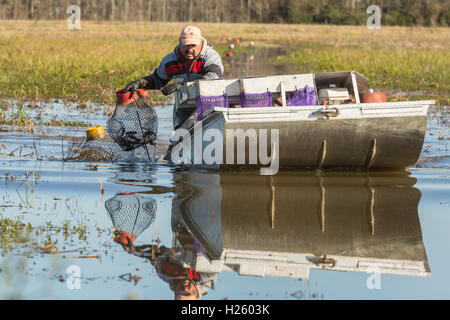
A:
x,y
134,123
96,148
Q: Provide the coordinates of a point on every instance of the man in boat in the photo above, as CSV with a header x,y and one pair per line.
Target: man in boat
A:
x,y
193,58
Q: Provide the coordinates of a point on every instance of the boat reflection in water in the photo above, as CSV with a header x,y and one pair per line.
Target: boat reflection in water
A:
x,y
285,225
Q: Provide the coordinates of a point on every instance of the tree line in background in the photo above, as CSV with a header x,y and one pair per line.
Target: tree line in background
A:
x,y
352,12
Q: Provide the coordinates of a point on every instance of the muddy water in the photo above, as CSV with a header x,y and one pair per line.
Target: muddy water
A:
x,y
298,235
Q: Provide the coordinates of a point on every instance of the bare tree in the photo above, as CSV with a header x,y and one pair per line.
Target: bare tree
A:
x,y
30,9
14,9
164,10
149,14
190,11
113,10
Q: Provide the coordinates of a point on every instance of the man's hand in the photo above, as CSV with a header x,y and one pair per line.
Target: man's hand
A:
x,y
132,87
172,87
143,83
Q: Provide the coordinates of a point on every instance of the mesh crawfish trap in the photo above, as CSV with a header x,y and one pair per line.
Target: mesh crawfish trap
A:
x,y
134,123
131,214
98,148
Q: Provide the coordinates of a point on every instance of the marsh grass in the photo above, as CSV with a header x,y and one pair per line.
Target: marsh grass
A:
x,y
386,68
65,123
40,238
21,120
44,60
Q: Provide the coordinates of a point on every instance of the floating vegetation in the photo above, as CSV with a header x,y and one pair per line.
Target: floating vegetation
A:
x,y
13,231
43,238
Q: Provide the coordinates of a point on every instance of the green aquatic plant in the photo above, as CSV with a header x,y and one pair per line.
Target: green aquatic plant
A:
x,y
19,118
42,238
65,123
80,230
13,231
31,179
65,229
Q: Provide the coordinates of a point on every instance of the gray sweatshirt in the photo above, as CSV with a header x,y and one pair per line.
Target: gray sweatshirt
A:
x,y
208,65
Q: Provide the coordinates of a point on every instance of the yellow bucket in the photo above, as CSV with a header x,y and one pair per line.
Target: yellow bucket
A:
x,y
95,133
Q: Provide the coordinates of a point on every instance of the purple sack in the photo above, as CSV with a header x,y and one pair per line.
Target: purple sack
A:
x,y
205,103
302,97
256,99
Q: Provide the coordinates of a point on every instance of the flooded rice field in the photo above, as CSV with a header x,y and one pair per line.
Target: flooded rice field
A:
x,y
138,229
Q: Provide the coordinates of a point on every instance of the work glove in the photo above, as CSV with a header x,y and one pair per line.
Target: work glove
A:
x,y
172,87
143,83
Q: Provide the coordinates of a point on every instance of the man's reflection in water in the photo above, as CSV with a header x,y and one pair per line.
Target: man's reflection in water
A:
x,y
131,215
185,282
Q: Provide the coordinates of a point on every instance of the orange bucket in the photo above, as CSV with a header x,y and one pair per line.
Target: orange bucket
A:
x,y
373,97
126,98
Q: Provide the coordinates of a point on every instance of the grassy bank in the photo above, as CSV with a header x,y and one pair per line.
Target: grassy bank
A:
x,y
43,60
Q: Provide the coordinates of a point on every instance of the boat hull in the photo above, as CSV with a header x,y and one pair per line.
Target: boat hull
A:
x,y
357,136
356,143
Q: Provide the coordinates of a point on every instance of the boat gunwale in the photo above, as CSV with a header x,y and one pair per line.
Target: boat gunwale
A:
x,y
366,106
